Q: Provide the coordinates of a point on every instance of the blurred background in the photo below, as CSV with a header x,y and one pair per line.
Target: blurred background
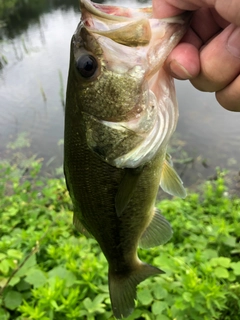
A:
x,y
34,57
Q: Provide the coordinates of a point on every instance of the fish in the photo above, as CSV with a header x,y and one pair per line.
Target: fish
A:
x,y
121,110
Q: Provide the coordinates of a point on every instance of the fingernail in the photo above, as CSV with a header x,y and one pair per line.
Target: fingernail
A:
x,y
233,44
179,71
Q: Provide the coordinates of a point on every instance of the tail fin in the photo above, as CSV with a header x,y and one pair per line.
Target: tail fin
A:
x,y
122,288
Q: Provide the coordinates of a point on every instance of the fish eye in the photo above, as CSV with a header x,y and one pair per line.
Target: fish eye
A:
x,y
87,66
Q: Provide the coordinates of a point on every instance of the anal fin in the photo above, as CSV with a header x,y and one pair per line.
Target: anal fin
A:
x,y
80,227
158,232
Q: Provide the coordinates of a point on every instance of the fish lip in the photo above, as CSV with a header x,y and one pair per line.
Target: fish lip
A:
x,y
114,13
98,10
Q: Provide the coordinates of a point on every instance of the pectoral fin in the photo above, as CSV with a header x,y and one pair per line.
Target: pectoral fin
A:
x,y
126,189
158,232
80,227
170,180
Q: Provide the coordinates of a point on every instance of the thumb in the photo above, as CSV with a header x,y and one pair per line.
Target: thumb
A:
x,y
229,10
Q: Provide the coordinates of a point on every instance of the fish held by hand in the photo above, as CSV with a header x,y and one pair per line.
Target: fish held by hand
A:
x,y
121,111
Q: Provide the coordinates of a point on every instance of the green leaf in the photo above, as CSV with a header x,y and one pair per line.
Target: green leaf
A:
x,y
236,268
14,281
162,317
97,304
230,241
232,276
220,261
159,291
4,315
54,304
98,299
224,262
14,253
165,262
4,266
12,300
31,261
135,315
221,272
63,273
23,286
93,306
158,307
187,296
36,277
87,303
145,297
2,256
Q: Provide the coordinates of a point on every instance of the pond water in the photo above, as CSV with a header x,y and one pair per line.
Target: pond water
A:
x,y
33,76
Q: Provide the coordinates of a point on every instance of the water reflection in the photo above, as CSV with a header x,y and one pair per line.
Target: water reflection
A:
x,y
34,79
30,83
18,19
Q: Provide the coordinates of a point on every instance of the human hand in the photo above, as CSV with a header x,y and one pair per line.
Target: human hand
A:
x,y
209,53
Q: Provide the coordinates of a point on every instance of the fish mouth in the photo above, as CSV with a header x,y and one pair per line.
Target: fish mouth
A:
x,y
126,26
133,27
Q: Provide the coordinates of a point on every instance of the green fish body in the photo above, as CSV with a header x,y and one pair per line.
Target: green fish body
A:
x,y
121,111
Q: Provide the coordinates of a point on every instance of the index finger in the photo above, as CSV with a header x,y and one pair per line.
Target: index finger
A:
x,y
164,10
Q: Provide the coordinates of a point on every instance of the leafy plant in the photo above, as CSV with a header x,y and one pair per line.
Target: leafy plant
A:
x,y
49,271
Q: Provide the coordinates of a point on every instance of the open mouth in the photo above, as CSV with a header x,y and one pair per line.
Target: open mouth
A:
x,y
126,26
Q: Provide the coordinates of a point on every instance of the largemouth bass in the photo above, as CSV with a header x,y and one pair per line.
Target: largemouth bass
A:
x,y
121,111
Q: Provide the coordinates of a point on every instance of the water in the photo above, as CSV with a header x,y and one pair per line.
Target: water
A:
x,y
34,79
